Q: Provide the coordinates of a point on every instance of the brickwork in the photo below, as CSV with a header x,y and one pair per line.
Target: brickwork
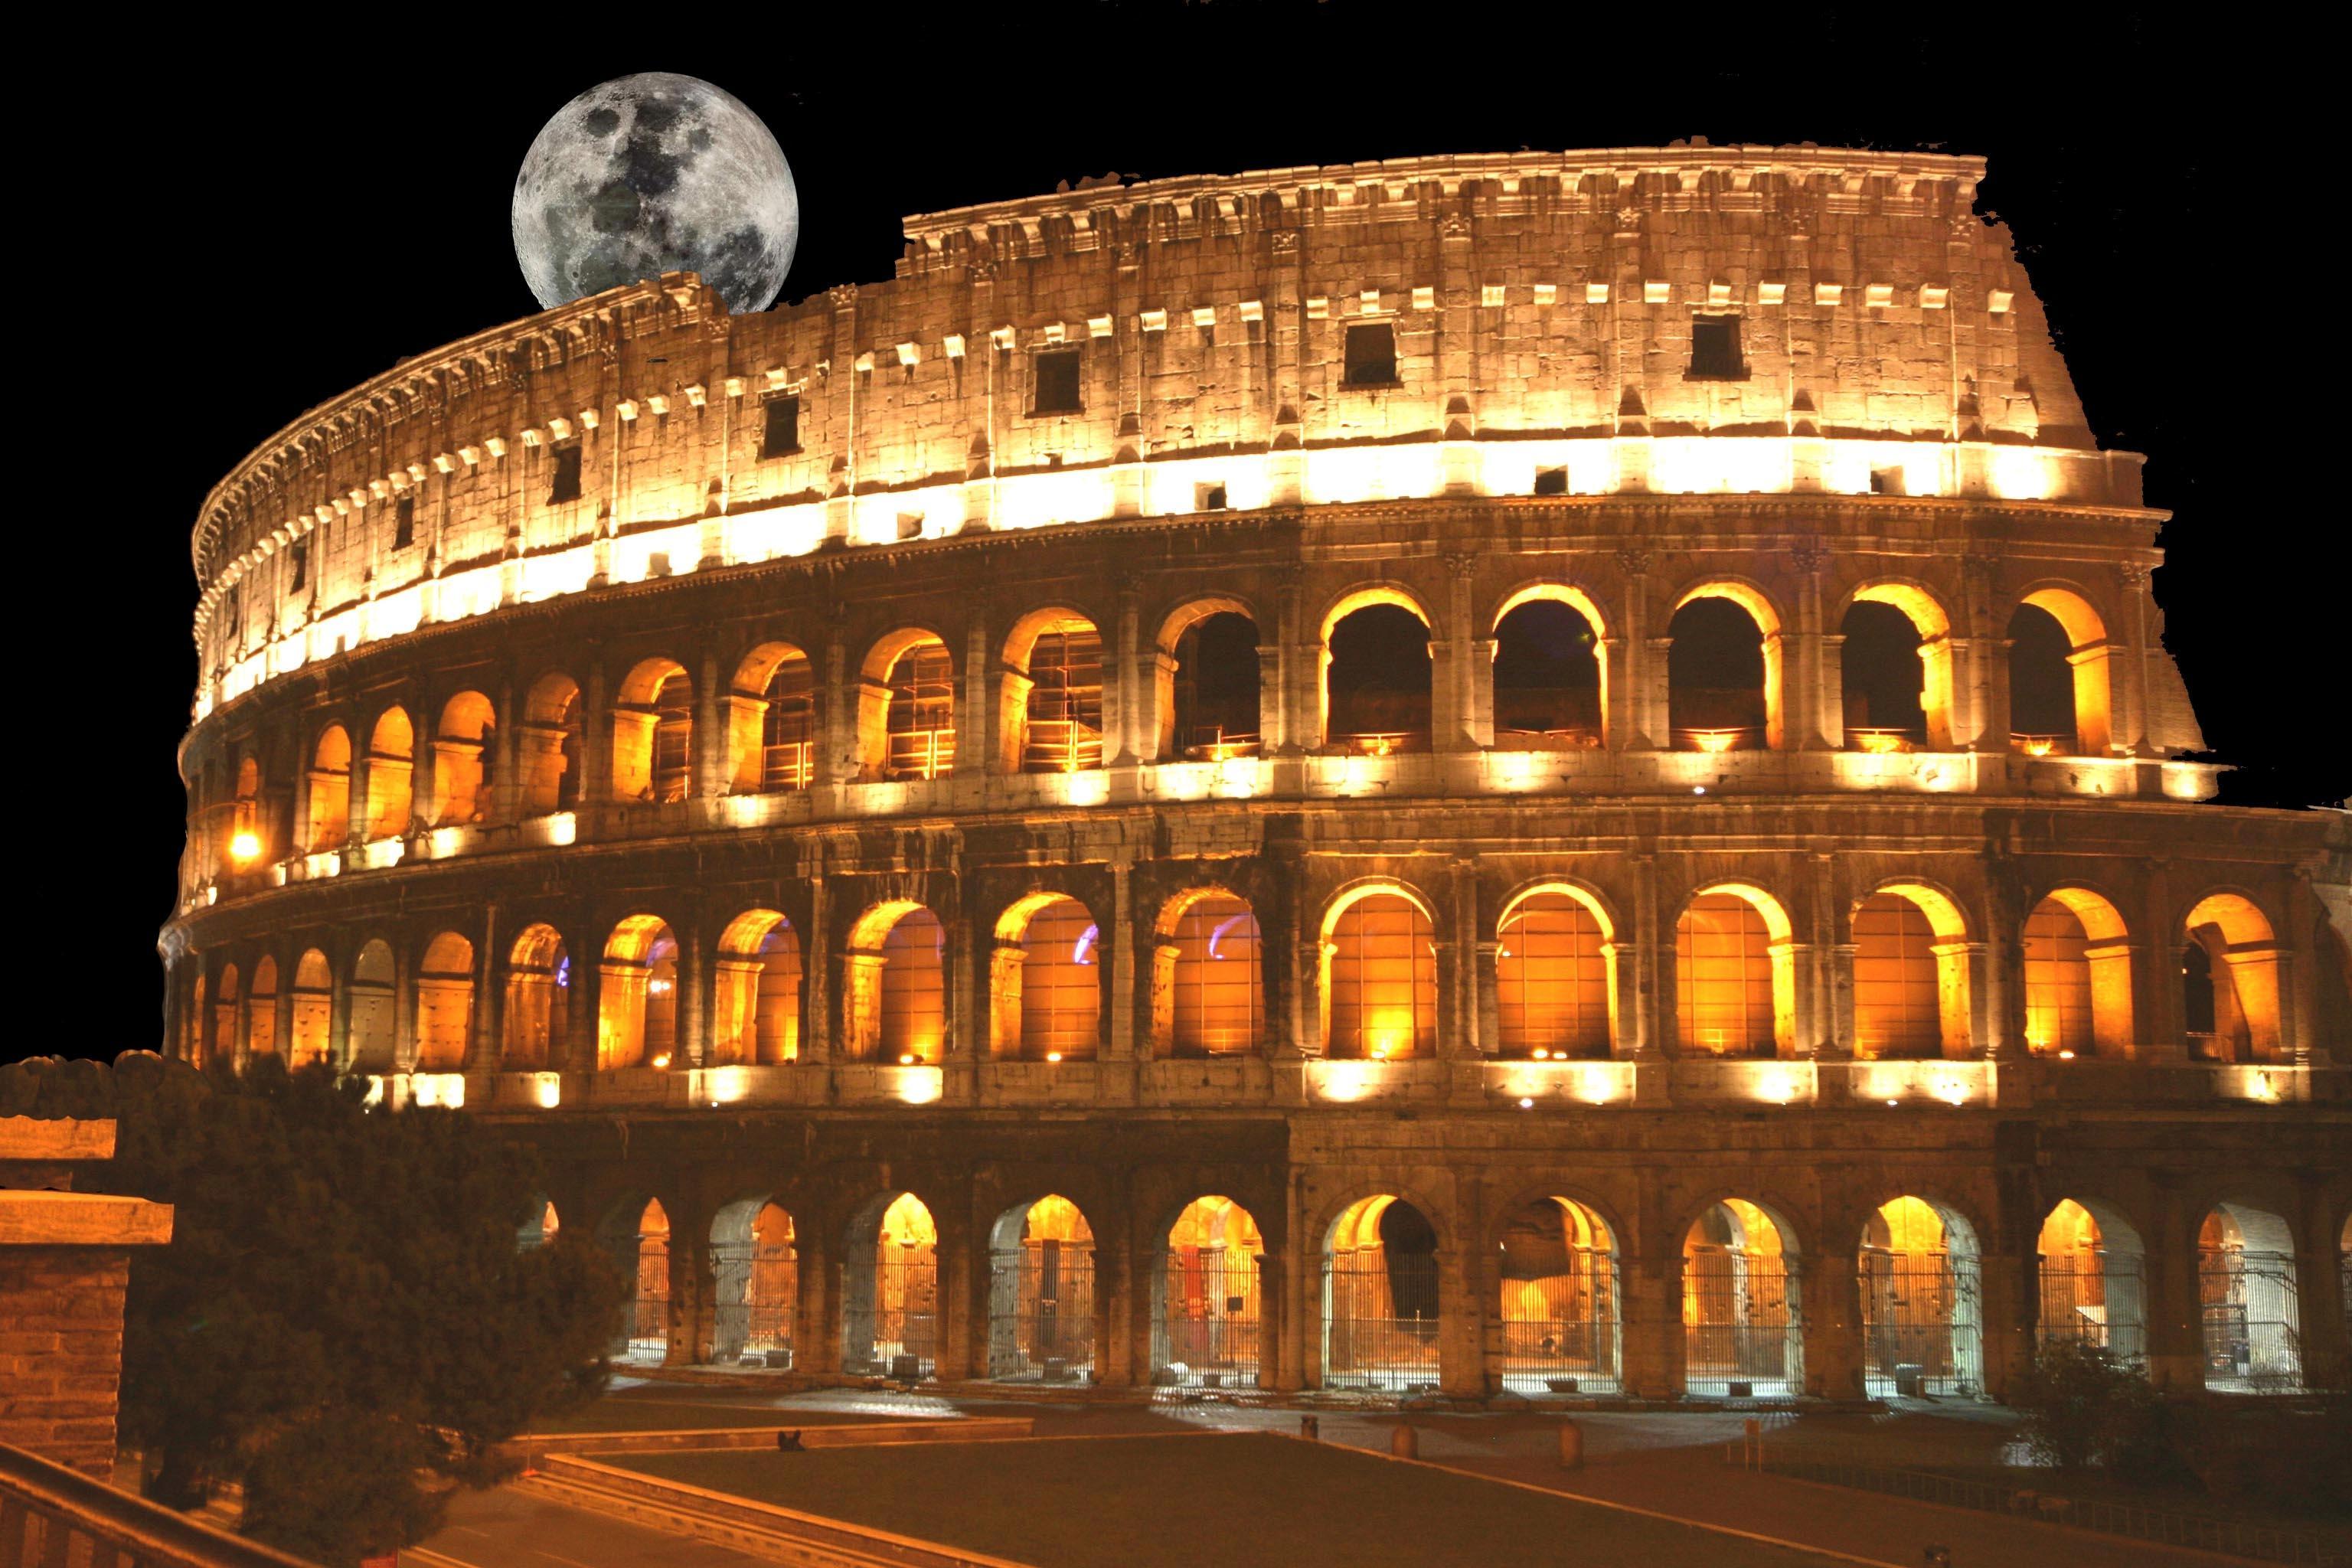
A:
x,y
61,1352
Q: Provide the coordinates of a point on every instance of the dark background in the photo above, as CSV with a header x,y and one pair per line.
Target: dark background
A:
x,y
317,215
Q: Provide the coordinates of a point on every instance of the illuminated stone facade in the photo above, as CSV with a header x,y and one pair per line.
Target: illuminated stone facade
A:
x,y
1610,699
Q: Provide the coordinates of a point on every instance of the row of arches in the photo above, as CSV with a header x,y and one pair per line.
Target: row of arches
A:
x,y
1556,1310
1210,673
1555,977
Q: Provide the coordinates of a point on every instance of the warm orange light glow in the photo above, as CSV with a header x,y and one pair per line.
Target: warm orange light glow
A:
x,y
661,1060
1880,743
245,845
1714,740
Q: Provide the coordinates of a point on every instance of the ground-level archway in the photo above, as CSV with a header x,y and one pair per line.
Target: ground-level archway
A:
x,y
890,1290
1380,1297
2092,1284
1743,1332
1922,1324
637,1238
1041,1293
1205,1312
2246,1284
755,1277
1557,1302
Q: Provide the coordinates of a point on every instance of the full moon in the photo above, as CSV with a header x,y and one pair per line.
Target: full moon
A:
x,y
651,174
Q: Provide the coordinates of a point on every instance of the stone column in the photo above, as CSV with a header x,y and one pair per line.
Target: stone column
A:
x,y
1652,1006
595,738
1650,1308
817,982
1453,673
504,797
2156,990
2128,699
697,986
403,1005
489,997
711,776
1465,1307
1641,720
577,1053
1115,1275
1833,1301
1124,703
2174,1308
1802,688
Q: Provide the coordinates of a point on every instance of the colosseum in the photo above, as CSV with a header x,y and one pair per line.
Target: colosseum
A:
x,y
1545,774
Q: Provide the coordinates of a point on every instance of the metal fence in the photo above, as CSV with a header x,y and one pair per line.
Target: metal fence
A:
x,y
649,1313
1559,1331
2265,1543
2253,1321
1380,1321
1919,1323
50,1514
1041,1317
759,1325
1210,1315
2092,1298
907,1312
1739,1325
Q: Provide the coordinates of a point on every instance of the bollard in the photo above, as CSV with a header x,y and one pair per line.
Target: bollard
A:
x,y
1572,1445
1752,1445
1311,1428
1405,1443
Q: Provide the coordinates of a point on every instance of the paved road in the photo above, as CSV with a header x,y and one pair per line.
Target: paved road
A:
x,y
506,1529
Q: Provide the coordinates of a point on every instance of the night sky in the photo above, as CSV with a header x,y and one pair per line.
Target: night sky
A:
x,y
318,217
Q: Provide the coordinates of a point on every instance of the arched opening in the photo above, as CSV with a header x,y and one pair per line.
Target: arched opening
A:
x,y
1210,700
1558,1305
2093,1285
247,842
199,1026
640,1238
636,1021
1548,676
539,1227
2078,979
1041,1293
1723,666
1208,978
2059,691
2344,1273
546,751
906,709
261,1011
756,1006
1910,976
538,999
2245,1276
390,762
1205,1316
462,751
330,804
890,1291
2230,982
1376,679
1743,1331
755,1280
1922,1324
225,997
1380,978
653,733
373,1046
772,722
1054,693
314,1010
445,1002
1735,975
894,985
1897,670
1554,989
1379,1298
1045,981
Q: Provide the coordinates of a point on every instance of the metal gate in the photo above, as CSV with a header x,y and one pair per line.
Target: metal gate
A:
x,y
1559,1331
1210,1312
1043,1327
907,1311
649,1314
2090,1299
1919,1323
762,1323
1380,1321
2253,1343
1739,1324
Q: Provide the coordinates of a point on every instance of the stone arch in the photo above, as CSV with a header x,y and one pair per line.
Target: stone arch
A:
x,y
2249,1300
1041,1294
373,1047
756,993
2088,679
653,733
1556,1301
771,720
1208,975
540,1224
229,1002
637,1014
1922,1301
261,1008
463,747
548,747
1381,1296
2092,1279
1207,687
1045,980
894,990
905,706
890,1289
1378,973
2242,998
391,764
1930,630
445,1002
1911,984
2077,977
1743,1303
1375,696
328,804
755,1280
1555,973
1542,697
538,999
309,1039
1711,705
1207,1291
635,1232
1051,716
1735,973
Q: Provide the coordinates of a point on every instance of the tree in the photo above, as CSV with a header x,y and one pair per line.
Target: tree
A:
x,y
344,1320
2083,1406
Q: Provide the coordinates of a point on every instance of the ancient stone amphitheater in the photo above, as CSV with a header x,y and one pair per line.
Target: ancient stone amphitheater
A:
x,y
1547,773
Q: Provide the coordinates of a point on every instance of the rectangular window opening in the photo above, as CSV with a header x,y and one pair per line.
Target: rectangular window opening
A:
x,y
1209,498
1056,378
300,566
1552,481
404,522
1715,348
1372,355
567,476
781,435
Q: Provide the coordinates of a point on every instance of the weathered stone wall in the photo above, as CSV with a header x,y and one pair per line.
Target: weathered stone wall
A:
x,y
61,1352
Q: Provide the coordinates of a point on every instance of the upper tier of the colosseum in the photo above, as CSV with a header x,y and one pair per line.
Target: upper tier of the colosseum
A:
x,y
1642,320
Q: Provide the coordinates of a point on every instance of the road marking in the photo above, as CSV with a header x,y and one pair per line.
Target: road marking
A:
x,y
424,1559
573,1560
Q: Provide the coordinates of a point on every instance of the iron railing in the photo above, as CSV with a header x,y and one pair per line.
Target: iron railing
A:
x,y
1381,1321
1210,1319
1919,1324
49,1514
1041,1323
